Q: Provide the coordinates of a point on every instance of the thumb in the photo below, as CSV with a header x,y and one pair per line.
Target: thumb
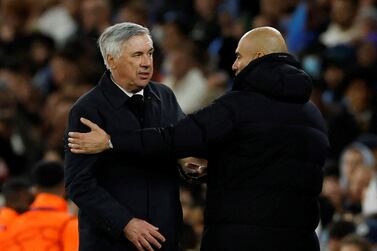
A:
x,y
89,123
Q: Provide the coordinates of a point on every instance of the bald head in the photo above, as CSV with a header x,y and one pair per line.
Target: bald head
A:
x,y
257,43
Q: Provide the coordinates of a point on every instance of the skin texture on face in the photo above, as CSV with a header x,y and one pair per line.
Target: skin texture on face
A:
x,y
133,69
257,43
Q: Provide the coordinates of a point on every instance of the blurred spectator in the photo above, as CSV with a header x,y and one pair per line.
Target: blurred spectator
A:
x,y
309,19
337,231
334,75
367,22
205,26
369,199
14,27
353,156
359,182
173,36
332,190
48,214
367,58
342,29
18,197
95,17
221,49
13,150
42,48
354,243
60,21
368,230
134,11
356,116
270,13
186,79
64,69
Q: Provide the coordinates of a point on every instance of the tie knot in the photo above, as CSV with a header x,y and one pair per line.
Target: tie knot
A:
x,y
136,99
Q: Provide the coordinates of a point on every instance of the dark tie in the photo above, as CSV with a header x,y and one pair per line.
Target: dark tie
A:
x,y
136,105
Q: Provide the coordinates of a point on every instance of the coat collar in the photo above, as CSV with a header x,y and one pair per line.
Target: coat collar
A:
x,y
50,202
276,75
115,95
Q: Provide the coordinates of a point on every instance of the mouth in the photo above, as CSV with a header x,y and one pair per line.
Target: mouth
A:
x,y
144,75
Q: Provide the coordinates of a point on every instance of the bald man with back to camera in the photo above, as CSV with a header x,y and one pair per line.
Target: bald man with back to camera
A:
x,y
265,142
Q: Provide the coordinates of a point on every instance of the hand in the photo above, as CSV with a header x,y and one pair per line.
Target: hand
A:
x,y
95,141
194,167
142,234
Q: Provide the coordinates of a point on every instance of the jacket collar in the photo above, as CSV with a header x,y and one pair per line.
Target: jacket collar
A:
x,y
49,201
115,95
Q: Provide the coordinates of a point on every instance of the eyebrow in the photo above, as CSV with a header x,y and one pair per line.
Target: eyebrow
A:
x,y
141,52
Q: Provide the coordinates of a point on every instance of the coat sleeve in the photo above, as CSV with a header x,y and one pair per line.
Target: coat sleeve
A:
x,y
191,136
81,184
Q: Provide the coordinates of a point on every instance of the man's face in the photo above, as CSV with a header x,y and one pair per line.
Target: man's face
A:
x,y
133,69
243,57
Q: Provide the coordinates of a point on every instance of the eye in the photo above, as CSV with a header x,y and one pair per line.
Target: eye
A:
x,y
137,54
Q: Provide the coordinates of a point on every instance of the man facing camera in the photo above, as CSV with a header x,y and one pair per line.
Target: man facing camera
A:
x,y
126,202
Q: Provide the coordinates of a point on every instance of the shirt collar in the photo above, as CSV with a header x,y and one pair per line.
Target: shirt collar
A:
x,y
129,94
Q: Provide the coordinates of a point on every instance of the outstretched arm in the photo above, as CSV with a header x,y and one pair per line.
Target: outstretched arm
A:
x,y
97,140
190,137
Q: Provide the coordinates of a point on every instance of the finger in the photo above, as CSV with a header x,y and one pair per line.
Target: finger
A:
x,y
146,244
74,146
138,246
157,235
78,151
74,134
89,123
74,141
153,241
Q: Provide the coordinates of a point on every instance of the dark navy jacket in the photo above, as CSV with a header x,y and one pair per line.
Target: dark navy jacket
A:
x,y
111,188
266,144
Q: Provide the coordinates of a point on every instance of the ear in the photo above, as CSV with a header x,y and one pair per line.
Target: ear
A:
x,y
110,61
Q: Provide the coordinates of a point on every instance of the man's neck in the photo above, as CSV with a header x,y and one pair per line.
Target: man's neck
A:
x,y
126,90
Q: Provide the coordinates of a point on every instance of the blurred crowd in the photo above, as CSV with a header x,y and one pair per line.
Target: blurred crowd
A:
x,y
49,57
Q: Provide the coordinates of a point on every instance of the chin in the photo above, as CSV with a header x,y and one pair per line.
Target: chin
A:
x,y
143,83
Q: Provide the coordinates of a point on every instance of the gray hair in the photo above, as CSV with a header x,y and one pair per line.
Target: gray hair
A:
x,y
111,40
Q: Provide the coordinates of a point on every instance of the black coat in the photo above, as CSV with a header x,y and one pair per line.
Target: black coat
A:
x,y
266,144
111,188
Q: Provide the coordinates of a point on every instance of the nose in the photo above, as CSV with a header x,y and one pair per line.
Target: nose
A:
x,y
234,66
146,60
